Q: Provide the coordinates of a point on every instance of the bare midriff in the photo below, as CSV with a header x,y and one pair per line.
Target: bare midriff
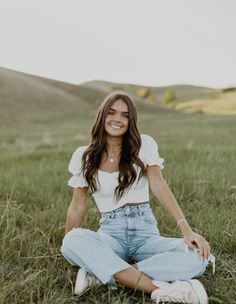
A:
x,y
133,204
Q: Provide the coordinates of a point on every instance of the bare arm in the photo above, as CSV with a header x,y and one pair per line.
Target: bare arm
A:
x,y
167,199
163,193
77,208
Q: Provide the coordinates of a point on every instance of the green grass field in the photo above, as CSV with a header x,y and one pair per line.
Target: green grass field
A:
x,y
35,149
200,168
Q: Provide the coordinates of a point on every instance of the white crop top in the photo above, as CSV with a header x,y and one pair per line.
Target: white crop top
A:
x,y
104,197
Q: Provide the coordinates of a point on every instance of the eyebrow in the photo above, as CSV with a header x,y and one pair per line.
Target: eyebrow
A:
x,y
116,110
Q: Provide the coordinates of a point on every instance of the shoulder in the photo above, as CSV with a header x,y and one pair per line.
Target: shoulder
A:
x,y
79,151
75,161
148,143
147,139
149,151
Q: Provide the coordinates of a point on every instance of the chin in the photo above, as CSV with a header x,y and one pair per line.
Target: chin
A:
x,y
115,134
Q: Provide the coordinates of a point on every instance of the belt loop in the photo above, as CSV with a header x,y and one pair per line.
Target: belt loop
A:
x,y
113,215
139,210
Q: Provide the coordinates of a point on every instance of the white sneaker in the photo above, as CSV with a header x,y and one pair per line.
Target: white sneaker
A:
x,y
84,281
189,292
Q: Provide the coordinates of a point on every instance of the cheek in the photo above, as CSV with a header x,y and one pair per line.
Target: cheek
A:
x,y
108,119
126,123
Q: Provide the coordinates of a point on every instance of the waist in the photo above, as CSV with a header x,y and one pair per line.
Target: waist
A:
x,y
134,204
128,208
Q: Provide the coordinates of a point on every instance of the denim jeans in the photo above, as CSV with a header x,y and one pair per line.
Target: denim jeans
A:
x,y
130,235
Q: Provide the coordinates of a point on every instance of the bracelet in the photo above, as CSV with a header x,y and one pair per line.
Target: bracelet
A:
x,y
181,221
137,281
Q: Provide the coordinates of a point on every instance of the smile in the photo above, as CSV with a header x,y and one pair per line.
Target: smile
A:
x,y
115,127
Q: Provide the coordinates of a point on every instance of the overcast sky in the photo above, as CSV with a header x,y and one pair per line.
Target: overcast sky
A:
x,y
149,42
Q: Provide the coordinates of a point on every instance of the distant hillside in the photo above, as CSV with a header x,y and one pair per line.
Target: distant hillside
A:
x,y
26,98
185,98
184,92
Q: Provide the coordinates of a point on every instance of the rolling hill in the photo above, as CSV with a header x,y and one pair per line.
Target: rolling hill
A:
x,y
25,97
186,98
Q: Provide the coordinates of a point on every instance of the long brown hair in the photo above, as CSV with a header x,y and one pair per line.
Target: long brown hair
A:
x,y
130,147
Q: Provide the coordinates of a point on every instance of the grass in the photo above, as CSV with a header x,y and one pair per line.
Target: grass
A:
x,y
200,168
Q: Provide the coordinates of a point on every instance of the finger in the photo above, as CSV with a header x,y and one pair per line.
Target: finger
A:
x,y
191,246
200,247
205,251
208,250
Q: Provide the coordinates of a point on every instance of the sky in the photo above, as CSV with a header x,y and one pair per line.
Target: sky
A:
x,y
145,42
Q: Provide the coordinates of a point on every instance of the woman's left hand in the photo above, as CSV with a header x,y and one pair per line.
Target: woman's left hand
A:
x,y
196,241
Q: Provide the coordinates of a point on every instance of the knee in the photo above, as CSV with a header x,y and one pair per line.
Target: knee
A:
x,y
70,239
199,266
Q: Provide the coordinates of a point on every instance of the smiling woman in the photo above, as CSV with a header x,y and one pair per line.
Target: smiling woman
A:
x,y
117,168
117,118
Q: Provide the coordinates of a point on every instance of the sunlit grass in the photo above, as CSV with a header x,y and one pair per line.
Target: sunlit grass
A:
x,y
221,104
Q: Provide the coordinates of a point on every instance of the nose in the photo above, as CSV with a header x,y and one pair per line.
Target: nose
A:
x,y
117,117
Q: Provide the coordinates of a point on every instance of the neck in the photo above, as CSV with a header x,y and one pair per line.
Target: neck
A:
x,y
113,143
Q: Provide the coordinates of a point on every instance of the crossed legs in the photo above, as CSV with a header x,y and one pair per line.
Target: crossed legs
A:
x,y
104,257
132,278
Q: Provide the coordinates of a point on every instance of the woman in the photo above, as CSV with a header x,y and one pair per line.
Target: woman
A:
x,y
117,168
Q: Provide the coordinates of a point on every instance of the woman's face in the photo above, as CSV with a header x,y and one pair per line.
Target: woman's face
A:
x,y
117,120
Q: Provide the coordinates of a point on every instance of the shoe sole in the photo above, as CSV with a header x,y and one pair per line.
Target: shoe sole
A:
x,y
79,282
200,291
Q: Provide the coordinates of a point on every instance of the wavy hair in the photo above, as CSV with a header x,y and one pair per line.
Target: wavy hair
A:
x,y
129,152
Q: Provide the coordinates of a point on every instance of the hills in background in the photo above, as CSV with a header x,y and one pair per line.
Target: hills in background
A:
x,y
184,98
28,97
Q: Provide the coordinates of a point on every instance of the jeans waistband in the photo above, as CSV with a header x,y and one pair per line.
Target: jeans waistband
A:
x,y
126,210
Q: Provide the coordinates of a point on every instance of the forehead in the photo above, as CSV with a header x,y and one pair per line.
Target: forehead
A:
x,y
119,105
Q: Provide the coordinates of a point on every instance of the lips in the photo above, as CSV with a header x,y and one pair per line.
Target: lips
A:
x,y
115,126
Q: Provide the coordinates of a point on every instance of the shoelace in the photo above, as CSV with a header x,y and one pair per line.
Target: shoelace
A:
x,y
212,259
176,297
92,280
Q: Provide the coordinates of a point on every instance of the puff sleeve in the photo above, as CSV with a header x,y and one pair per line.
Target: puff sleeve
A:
x,y
77,179
150,153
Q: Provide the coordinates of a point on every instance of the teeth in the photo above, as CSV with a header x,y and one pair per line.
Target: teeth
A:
x,y
115,127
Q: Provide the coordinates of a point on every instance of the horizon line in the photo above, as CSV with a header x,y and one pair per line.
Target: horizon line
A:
x,y
124,83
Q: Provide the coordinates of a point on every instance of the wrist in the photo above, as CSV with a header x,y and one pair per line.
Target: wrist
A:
x,y
183,225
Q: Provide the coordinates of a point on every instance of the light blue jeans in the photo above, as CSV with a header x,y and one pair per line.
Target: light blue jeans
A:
x,y
130,235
